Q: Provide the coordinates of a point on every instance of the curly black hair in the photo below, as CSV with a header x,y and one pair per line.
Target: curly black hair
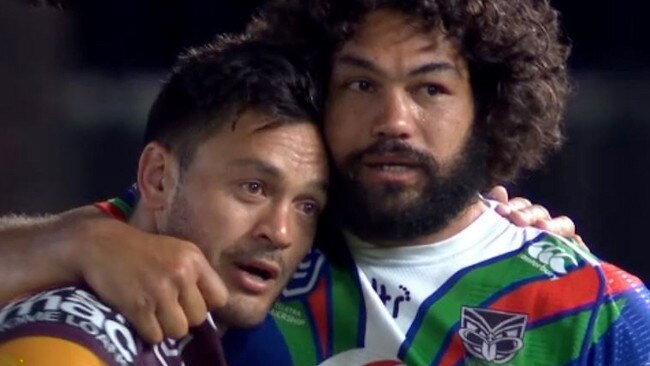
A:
x,y
515,50
210,86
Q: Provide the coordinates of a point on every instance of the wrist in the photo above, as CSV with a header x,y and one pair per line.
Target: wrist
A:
x,y
77,231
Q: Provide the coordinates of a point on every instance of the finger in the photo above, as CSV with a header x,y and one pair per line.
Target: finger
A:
x,y
147,327
560,225
498,193
519,203
536,213
519,218
211,286
193,305
503,209
172,319
142,316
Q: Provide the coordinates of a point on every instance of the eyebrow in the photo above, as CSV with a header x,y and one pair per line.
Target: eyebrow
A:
x,y
432,67
273,171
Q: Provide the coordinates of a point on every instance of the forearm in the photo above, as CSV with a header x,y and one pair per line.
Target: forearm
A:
x,y
39,252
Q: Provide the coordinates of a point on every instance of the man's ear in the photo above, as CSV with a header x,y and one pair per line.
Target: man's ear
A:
x,y
158,173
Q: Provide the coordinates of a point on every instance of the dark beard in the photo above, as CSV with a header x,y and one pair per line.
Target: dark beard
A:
x,y
395,213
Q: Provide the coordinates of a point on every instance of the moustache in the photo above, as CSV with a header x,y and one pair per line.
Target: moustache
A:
x,y
397,147
254,252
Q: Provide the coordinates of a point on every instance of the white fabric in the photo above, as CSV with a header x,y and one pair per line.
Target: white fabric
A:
x,y
420,270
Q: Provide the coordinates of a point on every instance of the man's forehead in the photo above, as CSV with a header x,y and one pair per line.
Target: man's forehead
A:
x,y
390,39
253,119
400,25
277,142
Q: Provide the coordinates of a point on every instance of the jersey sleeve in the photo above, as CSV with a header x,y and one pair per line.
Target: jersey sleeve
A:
x,y
74,315
121,207
621,329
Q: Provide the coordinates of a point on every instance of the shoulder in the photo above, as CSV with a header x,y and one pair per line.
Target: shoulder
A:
x,y
557,256
73,314
582,277
626,294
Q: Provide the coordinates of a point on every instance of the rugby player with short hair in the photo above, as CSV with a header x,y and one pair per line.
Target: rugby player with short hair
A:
x,y
234,163
429,102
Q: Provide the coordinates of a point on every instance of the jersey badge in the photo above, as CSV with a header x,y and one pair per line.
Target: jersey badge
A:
x,y
492,336
306,275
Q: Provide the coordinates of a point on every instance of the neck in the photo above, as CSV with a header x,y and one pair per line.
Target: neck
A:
x,y
143,219
464,219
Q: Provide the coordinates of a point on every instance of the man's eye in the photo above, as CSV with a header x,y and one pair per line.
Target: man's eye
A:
x,y
361,85
309,208
433,89
254,188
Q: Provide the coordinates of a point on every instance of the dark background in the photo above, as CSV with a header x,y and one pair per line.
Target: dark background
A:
x,y
75,87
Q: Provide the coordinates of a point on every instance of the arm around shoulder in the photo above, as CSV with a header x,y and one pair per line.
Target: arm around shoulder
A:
x,y
42,252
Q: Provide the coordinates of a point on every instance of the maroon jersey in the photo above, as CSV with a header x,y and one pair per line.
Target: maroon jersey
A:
x,y
75,314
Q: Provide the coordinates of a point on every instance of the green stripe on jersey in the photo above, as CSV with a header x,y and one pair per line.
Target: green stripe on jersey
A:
x,y
545,345
126,209
293,321
607,316
472,289
346,299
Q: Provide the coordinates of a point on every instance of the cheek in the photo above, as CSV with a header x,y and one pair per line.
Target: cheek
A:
x,y
445,130
302,243
222,221
342,135
293,259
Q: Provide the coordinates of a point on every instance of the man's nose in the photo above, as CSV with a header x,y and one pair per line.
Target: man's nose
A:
x,y
396,117
275,226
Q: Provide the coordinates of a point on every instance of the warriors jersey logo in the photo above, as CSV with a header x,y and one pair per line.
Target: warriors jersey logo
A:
x,y
493,336
304,279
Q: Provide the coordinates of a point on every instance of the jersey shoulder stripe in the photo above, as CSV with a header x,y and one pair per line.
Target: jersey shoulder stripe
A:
x,y
508,282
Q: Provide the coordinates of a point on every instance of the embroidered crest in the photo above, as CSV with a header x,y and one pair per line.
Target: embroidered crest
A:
x,y
493,336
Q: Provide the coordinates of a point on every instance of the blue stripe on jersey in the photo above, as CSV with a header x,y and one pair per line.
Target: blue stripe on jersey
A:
x,y
428,302
594,314
627,342
266,340
486,304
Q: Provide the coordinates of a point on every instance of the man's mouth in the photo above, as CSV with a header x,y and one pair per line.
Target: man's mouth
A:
x,y
256,276
390,160
261,272
391,166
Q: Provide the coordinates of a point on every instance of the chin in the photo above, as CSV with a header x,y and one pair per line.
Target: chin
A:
x,y
243,312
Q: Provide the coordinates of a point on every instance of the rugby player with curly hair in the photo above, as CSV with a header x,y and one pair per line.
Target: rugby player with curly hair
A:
x,y
428,103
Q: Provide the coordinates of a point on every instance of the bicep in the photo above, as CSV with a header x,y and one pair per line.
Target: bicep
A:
x,y
47,351
41,252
